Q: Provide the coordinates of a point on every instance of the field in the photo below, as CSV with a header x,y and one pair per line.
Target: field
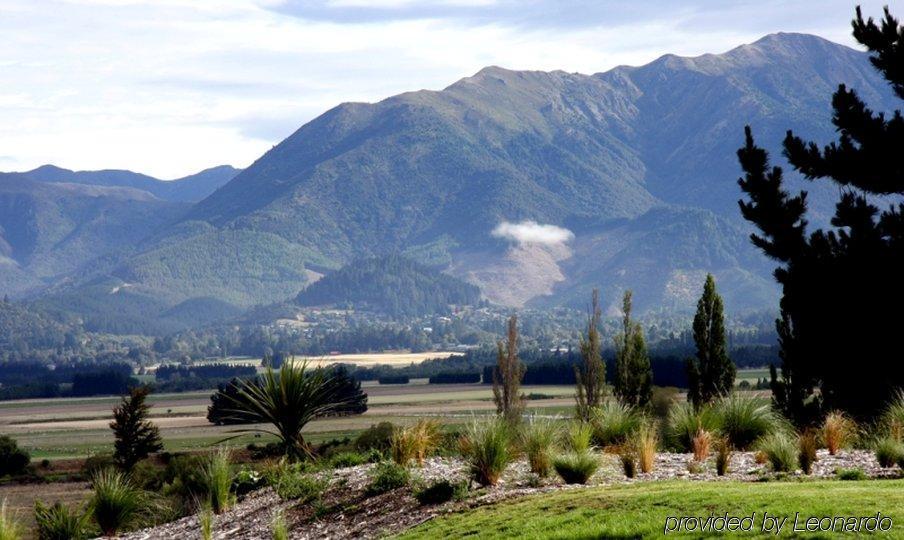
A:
x,y
395,359
640,510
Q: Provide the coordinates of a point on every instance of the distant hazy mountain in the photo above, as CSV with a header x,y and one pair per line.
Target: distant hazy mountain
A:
x,y
190,188
535,186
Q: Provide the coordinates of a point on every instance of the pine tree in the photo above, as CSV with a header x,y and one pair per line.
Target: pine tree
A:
x,y
507,376
633,384
841,286
590,376
711,373
136,436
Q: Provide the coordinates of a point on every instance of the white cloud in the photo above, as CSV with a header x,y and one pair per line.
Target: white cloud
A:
x,y
531,232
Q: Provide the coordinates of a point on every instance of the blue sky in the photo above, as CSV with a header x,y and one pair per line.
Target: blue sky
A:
x,y
169,87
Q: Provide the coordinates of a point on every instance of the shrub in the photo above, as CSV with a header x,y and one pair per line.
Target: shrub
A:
x,y
96,463
347,459
745,419
13,460
850,474
538,440
441,491
116,504
184,478
700,444
629,464
247,480
416,441
58,522
279,528
387,476
10,528
888,451
614,423
376,437
838,431
892,419
218,479
579,436
662,401
576,467
684,423
780,451
646,440
694,467
298,486
723,456
806,455
205,520
486,448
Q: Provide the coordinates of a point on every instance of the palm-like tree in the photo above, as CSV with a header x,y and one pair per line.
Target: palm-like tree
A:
x,y
288,399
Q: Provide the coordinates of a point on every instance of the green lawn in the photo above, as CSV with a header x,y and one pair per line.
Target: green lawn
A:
x,y
640,510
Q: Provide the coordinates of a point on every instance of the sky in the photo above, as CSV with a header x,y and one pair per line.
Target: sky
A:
x,y
170,87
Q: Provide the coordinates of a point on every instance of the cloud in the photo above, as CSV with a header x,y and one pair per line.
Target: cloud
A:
x,y
531,232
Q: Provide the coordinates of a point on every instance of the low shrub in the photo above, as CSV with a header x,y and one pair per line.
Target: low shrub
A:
x,y
58,522
10,527
838,431
417,441
13,460
614,424
576,467
184,479
806,450
376,437
695,467
218,480
780,451
486,447
247,480
347,459
888,451
850,474
387,476
441,492
629,464
700,444
723,456
116,504
646,441
684,423
300,487
662,401
538,440
744,419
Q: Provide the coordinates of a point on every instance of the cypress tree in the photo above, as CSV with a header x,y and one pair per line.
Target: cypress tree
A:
x,y
136,437
590,375
841,285
507,375
711,373
633,384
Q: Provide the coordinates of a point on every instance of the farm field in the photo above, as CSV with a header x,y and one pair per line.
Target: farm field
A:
x,y
395,359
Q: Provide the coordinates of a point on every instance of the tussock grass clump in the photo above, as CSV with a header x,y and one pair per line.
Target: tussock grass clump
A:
x,y
348,459
850,474
279,529
614,424
646,441
538,440
117,505
838,432
629,464
745,419
486,445
579,437
576,467
807,444
780,451
889,451
10,527
415,442
387,476
441,491
723,456
684,423
58,522
892,420
205,520
218,478
700,444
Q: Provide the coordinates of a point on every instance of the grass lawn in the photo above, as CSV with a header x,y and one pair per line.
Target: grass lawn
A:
x,y
640,510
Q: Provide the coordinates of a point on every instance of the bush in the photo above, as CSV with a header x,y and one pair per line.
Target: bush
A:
x,y
58,522
806,455
888,451
662,401
387,476
538,440
892,419
700,444
629,464
218,479
579,436
743,419
723,456
780,451
838,431
117,504
184,478
486,448
294,485
347,459
646,440
576,467
614,423
415,441
441,491
246,481
376,437
96,463
684,423
850,474
10,528
13,460
393,379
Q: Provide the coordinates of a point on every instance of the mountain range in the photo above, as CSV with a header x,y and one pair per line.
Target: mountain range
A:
x,y
534,186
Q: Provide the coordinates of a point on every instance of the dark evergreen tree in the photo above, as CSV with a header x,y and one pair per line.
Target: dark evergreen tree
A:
x,y
590,374
347,392
136,437
507,375
711,373
842,288
223,410
633,384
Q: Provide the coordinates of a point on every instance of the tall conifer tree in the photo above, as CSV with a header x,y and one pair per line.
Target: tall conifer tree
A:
x,y
711,373
507,375
590,375
633,382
